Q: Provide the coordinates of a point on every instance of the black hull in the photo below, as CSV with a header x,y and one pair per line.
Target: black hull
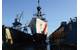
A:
x,y
21,40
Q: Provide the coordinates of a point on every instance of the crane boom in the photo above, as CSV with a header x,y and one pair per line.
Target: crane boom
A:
x,y
20,16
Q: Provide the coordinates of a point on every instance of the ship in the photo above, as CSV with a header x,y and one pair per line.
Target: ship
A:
x,y
65,36
17,37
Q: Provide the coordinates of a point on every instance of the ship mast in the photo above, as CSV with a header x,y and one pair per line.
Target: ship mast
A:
x,y
17,24
38,24
39,13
